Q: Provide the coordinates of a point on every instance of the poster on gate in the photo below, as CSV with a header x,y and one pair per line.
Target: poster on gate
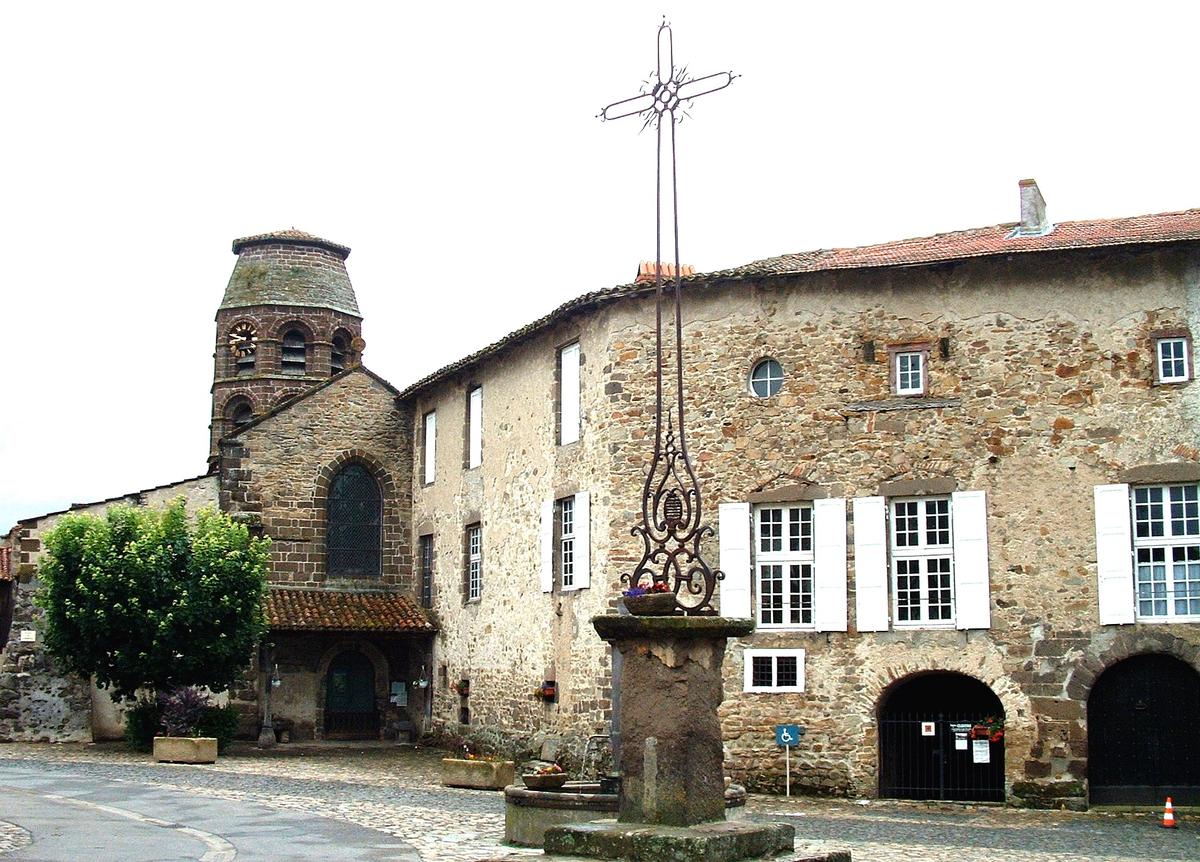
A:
x,y
981,751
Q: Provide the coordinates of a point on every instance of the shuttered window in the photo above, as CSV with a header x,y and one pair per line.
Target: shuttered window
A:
x,y
1166,549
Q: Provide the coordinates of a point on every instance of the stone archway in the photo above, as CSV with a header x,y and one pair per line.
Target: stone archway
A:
x,y
926,749
336,658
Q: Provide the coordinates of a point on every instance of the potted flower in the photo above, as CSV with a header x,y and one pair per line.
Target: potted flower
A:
x,y
551,777
656,600
990,728
477,771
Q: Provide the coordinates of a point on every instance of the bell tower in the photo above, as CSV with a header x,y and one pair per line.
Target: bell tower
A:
x,y
288,321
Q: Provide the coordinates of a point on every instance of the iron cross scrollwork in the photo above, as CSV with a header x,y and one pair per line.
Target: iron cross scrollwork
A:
x,y
672,525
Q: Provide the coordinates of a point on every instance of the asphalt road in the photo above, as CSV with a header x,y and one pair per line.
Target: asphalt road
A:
x,y
73,817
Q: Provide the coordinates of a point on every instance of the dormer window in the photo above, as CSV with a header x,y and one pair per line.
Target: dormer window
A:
x,y
295,352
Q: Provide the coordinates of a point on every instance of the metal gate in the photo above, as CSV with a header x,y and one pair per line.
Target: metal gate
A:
x,y
1143,741
350,711
914,765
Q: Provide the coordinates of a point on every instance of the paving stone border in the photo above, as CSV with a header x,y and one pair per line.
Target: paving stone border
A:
x,y
12,837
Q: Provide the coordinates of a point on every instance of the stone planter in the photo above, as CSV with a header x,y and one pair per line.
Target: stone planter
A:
x,y
651,605
185,749
478,774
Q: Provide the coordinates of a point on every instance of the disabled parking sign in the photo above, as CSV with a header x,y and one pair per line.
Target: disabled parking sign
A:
x,y
788,735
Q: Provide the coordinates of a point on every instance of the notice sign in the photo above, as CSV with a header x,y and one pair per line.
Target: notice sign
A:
x,y
399,694
927,728
981,751
28,636
960,740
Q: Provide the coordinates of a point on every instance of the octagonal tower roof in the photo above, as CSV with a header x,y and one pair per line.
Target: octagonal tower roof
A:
x,y
290,267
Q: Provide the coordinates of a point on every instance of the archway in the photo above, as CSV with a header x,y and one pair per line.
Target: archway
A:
x,y
926,744
1142,740
350,706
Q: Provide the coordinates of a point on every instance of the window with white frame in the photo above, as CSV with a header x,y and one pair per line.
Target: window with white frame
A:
x,y
1166,548
475,427
474,562
922,562
568,394
910,372
429,446
566,542
783,565
1172,360
773,670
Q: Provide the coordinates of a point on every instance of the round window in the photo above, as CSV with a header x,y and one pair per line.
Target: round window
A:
x,y
766,379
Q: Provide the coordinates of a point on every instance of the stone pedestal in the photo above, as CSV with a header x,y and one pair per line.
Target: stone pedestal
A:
x,y
671,749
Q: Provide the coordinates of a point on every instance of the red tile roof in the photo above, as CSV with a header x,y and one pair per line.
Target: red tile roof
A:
x,y
6,573
646,271
338,611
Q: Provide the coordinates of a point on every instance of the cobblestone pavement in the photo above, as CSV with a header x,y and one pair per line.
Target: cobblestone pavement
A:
x,y
397,791
12,836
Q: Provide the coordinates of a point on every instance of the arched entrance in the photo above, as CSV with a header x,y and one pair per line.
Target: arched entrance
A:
x,y
1143,740
926,749
350,709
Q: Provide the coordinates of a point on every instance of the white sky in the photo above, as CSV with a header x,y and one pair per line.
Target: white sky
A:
x,y
455,148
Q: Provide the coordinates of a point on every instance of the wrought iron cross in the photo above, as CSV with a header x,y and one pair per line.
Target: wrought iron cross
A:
x,y
671,528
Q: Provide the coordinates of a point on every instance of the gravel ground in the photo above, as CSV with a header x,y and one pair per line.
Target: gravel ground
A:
x,y
396,790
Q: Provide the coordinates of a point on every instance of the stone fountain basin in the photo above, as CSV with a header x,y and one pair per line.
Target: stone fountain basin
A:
x,y
529,813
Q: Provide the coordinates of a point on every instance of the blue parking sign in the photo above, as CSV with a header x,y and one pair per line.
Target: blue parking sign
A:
x,y
788,735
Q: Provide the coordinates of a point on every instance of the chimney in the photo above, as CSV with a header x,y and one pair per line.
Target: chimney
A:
x,y
646,272
1033,211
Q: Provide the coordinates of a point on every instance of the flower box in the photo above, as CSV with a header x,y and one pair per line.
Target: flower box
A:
x,y
651,604
554,781
185,749
478,774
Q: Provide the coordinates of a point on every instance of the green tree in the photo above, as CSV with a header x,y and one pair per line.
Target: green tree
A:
x,y
148,599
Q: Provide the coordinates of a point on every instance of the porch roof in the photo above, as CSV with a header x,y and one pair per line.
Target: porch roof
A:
x,y
345,611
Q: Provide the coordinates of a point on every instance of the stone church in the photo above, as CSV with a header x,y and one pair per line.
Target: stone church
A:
x,y
954,480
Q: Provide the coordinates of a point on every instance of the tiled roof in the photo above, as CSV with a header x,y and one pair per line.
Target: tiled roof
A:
x,y
337,611
646,271
940,248
6,573
290,236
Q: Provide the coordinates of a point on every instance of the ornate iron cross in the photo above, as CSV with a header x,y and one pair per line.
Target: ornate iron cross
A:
x,y
671,527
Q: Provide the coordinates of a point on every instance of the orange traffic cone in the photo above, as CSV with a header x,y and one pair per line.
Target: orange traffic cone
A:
x,y
1168,821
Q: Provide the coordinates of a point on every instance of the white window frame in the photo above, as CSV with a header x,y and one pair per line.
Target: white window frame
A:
x,y
921,554
1184,359
474,427
774,655
566,543
784,558
912,355
474,562
1174,539
768,379
429,447
570,413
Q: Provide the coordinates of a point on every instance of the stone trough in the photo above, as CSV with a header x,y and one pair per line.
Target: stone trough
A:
x,y
529,813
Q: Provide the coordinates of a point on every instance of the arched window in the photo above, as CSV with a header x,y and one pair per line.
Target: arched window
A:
x,y
354,519
294,353
243,345
239,411
337,353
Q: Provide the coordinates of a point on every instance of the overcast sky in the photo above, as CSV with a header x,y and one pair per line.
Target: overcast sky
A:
x,y
454,147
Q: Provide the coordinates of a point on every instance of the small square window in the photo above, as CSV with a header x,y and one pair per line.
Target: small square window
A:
x,y
910,372
774,670
1172,362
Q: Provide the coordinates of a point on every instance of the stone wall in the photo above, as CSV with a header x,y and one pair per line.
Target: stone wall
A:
x,y
37,702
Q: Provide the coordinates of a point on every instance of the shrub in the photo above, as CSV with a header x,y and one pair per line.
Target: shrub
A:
x,y
220,722
142,722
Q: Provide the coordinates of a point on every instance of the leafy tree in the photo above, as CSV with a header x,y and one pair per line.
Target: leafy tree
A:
x,y
146,599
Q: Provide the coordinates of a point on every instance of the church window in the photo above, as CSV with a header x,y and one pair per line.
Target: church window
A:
x,y
354,520
337,353
295,352
766,379
568,394
239,412
474,562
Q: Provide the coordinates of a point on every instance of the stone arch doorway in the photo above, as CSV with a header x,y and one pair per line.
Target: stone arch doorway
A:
x,y
351,711
1143,744
926,750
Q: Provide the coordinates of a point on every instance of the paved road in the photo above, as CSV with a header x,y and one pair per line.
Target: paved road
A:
x,y
71,816
386,803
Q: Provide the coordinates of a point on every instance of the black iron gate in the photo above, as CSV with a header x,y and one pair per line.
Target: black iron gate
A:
x,y
350,710
946,764
1143,743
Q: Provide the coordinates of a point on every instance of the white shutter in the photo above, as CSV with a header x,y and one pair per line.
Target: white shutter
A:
x,y
829,564
870,565
430,446
475,428
568,396
972,595
733,520
547,571
1114,555
583,540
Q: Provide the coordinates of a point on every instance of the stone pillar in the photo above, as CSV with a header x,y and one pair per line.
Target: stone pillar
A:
x,y
671,753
